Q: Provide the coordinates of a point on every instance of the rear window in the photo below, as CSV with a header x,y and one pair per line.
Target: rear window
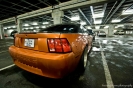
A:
x,y
61,28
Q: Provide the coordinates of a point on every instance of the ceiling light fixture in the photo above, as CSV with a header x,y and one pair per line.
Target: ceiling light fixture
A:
x,y
99,15
127,12
75,18
26,24
43,26
106,27
83,23
45,23
97,27
34,23
116,20
89,27
97,21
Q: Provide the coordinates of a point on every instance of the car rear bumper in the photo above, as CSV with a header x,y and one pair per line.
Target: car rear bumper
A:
x,y
50,65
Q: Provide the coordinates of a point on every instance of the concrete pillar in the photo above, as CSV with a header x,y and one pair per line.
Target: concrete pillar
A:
x,y
57,16
106,31
110,30
1,32
19,25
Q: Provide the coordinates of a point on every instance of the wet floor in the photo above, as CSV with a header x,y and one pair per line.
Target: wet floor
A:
x,y
118,52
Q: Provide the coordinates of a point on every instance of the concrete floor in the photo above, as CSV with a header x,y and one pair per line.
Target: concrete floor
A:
x,y
110,63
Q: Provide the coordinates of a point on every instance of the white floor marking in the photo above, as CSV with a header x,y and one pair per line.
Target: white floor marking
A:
x,y
106,70
3,51
7,67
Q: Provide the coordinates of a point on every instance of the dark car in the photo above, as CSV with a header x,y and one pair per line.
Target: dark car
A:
x,y
13,33
90,32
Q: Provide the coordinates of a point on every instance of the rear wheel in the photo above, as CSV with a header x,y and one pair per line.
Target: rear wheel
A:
x,y
84,59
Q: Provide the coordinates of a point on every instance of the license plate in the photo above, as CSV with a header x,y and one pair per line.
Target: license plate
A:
x,y
29,42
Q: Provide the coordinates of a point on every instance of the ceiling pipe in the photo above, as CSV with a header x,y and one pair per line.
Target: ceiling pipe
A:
x,y
110,11
12,8
30,4
115,10
17,5
84,15
44,2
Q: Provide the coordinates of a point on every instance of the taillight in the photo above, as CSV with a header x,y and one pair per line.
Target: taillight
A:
x,y
58,45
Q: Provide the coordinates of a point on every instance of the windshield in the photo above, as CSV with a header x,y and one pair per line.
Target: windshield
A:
x,y
65,28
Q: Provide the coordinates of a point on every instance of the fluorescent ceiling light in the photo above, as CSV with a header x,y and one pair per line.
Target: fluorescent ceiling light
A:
x,y
97,21
5,27
26,24
75,18
37,27
120,25
26,28
99,15
43,26
83,23
127,12
116,20
34,30
97,27
89,27
13,26
31,27
34,23
106,27
8,27
45,23
116,26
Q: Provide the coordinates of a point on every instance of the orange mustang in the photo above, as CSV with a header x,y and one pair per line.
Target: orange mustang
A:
x,y
52,52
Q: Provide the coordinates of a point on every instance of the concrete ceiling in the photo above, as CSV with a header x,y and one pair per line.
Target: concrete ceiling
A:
x,y
110,10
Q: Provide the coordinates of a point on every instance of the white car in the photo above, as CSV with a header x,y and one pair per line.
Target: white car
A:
x,y
102,34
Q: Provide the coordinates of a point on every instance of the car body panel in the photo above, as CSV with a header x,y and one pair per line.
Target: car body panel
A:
x,y
41,61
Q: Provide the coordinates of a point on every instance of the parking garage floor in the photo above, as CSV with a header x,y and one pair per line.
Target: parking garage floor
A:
x,y
110,63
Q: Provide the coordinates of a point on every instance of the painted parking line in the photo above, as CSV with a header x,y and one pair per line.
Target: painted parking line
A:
x,y
106,70
7,67
3,51
3,46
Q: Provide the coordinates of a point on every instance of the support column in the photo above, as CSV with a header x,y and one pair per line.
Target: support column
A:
x,y
106,31
57,16
19,25
110,30
1,32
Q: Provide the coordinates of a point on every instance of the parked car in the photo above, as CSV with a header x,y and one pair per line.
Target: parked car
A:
x,y
90,32
119,33
13,33
101,34
52,52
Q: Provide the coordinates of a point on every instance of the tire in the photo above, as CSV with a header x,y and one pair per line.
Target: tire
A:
x,y
83,60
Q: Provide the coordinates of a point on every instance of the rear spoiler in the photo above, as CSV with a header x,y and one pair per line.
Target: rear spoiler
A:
x,y
27,32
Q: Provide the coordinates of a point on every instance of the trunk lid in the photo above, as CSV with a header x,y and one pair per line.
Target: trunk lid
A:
x,y
34,41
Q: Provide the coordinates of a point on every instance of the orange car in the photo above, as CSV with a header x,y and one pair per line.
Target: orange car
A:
x,y
53,52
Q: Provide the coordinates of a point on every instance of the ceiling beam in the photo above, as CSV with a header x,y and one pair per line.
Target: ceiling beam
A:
x,y
115,10
84,16
77,4
110,11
